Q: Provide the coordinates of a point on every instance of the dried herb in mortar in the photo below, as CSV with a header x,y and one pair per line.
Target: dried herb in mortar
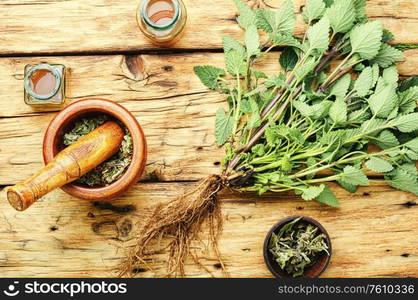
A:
x,y
297,246
113,168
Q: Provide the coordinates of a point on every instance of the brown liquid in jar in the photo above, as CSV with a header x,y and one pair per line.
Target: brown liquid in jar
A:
x,y
42,82
160,12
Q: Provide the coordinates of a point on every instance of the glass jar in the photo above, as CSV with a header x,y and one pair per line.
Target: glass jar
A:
x,y
162,21
44,84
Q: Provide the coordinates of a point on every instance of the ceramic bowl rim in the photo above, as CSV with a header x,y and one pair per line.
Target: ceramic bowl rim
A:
x,y
93,105
277,225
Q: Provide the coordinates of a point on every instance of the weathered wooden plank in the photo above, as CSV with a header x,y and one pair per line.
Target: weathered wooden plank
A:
x,y
133,79
180,147
174,108
374,233
110,25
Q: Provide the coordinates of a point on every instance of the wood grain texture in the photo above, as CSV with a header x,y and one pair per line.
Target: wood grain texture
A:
x,y
130,79
76,26
374,233
175,109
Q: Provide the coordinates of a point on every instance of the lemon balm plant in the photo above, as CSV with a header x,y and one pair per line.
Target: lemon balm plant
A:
x,y
338,92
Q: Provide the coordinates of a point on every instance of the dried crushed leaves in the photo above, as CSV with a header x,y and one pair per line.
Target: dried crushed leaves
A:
x,y
113,168
297,246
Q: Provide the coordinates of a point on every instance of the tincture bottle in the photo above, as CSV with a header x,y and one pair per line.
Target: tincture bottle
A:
x,y
162,21
44,84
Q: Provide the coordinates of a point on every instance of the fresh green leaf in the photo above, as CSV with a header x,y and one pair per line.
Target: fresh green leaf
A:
x,y
312,192
254,120
327,197
328,3
223,126
408,83
408,100
209,75
259,74
271,136
280,39
252,40
288,59
406,123
379,165
404,181
321,78
246,15
372,125
383,102
390,75
387,56
354,176
234,63
315,111
230,43
304,69
276,81
360,8
265,20
258,149
338,111
284,18
318,35
359,67
386,139
341,15
347,186
375,73
413,144
381,83
411,154
340,88
393,113
410,168
387,36
365,39
245,106
313,10
364,82
359,116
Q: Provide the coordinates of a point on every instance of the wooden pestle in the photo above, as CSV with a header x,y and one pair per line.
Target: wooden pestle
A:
x,y
68,165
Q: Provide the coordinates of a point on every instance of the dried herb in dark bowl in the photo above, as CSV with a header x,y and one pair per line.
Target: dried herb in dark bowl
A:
x,y
113,168
297,245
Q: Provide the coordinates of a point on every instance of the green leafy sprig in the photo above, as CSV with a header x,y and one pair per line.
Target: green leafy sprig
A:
x,y
312,123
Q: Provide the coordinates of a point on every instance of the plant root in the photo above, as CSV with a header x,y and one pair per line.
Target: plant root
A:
x,y
179,222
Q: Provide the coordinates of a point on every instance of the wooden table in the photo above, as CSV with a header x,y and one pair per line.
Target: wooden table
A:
x,y
374,233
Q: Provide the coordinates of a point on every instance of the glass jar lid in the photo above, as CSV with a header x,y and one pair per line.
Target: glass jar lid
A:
x,y
149,22
54,90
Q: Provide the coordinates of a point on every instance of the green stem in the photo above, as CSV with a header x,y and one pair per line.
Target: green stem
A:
x,y
336,70
342,161
238,104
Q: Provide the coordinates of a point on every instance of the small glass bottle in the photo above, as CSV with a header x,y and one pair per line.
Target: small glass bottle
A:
x,y
162,21
44,84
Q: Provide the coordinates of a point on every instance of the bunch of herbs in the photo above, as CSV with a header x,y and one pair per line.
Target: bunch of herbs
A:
x,y
313,122
337,92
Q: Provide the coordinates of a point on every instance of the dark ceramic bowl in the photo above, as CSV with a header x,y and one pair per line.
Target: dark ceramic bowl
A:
x,y
63,122
310,272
